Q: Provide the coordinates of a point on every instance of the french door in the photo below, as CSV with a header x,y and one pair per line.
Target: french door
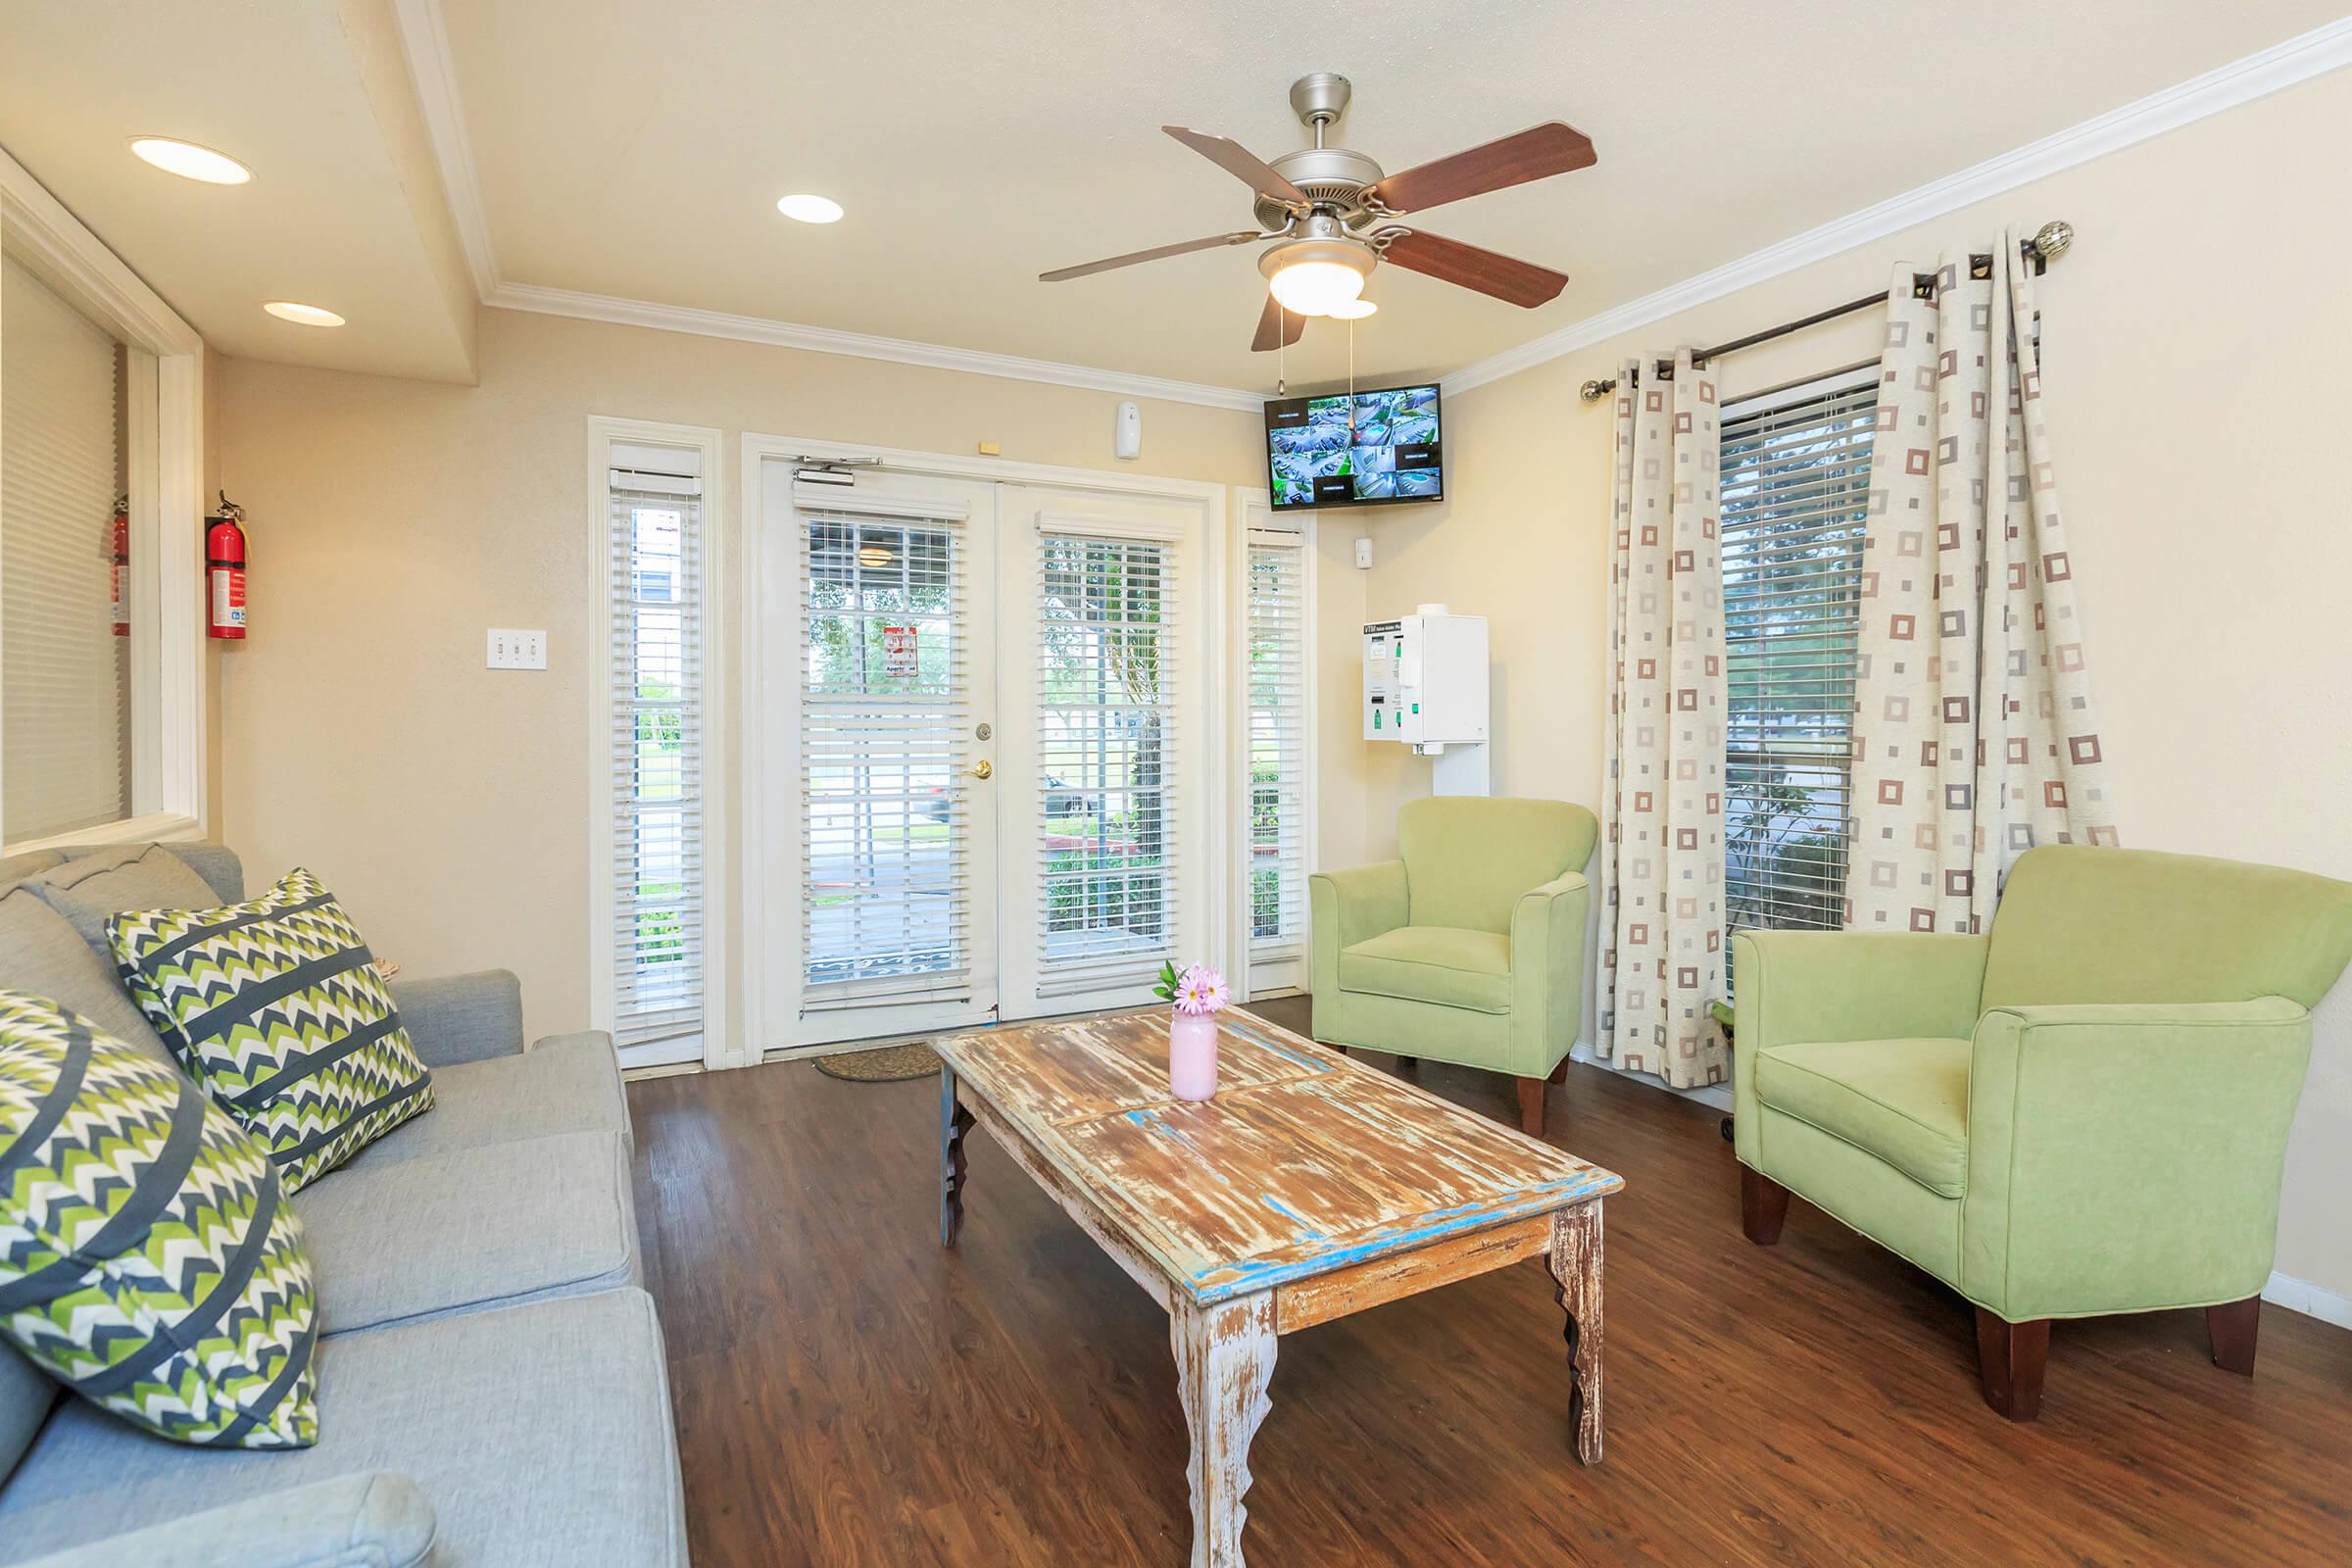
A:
x,y
979,698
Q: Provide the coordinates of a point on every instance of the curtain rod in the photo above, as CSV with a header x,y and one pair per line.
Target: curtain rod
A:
x,y
2049,242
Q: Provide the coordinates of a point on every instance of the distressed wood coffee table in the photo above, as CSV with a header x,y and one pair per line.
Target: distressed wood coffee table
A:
x,y
1311,1187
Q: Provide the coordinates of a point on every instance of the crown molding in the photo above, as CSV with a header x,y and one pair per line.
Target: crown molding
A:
x,y
858,344
424,38
2298,59
426,41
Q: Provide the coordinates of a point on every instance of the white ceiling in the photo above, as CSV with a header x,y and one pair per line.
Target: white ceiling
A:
x,y
634,149
344,209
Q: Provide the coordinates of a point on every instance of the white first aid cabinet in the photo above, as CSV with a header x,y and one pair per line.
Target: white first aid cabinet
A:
x,y
1425,679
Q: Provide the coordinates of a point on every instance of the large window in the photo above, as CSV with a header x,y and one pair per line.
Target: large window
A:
x,y
656,712
102,505
65,730
1795,497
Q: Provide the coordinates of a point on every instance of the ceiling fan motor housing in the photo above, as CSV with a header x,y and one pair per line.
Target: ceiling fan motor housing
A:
x,y
1331,176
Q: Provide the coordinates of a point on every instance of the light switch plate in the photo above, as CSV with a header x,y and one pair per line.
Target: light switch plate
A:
x,y
510,649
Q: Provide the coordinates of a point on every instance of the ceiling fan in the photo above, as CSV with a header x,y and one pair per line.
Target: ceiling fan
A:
x,y
1330,210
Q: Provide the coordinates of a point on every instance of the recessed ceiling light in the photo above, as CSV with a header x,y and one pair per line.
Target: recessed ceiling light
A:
x,y
305,315
811,208
1352,310
189,161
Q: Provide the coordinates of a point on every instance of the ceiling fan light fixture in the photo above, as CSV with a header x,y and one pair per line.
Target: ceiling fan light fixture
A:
x,y
1310,276
1353,311
1316,288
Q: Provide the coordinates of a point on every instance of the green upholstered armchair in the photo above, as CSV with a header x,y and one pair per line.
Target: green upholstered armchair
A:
x,y
2082,1112
1469,947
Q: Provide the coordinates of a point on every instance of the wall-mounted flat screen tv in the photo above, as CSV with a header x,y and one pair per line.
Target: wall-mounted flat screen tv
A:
x,y
1354,448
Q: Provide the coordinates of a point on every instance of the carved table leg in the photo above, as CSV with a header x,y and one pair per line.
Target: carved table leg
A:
x,y
1575,1259
954,1122
1224,1360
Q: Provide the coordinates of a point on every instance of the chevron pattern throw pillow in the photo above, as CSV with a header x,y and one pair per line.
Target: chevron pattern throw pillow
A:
x,y
274,1005
147,1258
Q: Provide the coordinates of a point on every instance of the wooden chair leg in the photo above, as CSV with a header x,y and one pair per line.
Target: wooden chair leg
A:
x,y
1559,1073
2233,1327
2010,1359
1763,1206
1530,1107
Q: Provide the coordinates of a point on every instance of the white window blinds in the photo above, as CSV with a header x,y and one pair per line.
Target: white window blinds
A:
x,y
1106,736
658,726
65,674
1278,742
1795,497
886,725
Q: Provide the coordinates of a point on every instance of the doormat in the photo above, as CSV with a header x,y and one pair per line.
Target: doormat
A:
x,y
888,1066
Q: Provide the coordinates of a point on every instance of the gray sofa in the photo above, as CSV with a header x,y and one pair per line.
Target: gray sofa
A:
x,y
491,1382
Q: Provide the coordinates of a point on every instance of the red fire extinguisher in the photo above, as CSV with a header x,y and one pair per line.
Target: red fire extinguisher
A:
x,y
224,570
118,554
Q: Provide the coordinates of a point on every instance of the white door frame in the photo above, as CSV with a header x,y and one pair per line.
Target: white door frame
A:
x,y
759,833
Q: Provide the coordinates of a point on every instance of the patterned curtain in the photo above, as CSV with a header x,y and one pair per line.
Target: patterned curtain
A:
x,y
1975,737
1661,861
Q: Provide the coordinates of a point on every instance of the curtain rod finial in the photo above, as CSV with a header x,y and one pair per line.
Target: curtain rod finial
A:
x,y
1594,391
2050,241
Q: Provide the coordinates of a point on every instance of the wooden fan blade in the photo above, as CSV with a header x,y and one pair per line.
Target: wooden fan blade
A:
x,y
1522,283
1241,164
1239,236
1276,327
1546,150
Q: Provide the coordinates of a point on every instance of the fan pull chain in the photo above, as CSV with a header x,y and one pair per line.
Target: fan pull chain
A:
x,y
1282,352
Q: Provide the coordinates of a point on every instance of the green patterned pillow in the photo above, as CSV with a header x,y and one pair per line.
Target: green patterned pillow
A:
x,y
147,1258
274,1006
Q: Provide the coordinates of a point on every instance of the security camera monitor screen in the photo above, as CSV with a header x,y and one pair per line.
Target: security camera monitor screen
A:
x,y
1353,449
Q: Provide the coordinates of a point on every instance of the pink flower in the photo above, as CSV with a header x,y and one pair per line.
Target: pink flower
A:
x,y
1201,990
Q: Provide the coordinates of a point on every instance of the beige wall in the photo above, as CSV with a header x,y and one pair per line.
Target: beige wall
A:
x,y
394,521
2192,345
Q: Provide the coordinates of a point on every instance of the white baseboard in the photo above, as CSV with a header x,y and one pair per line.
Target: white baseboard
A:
x,y
2312,1301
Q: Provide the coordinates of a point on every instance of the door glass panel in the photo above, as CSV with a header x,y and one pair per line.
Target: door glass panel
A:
x,y
887,719
1104,813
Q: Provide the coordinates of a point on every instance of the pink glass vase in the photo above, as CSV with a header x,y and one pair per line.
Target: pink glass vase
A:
x,y
1193,1054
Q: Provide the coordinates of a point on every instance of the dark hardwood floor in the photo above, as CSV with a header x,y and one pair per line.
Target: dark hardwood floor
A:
x,y
849,1394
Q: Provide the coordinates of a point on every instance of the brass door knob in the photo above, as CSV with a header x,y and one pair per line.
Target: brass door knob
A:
x,y
980,768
